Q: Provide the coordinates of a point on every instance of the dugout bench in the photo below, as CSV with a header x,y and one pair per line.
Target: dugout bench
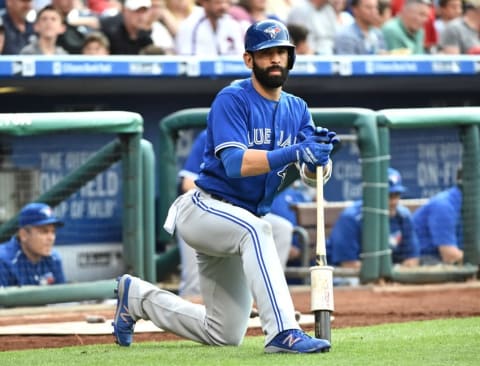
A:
x,y
306,231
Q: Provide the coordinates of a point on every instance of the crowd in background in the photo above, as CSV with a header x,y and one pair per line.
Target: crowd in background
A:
x,y
217,27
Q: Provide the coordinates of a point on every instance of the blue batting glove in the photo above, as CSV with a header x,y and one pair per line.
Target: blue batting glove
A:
x,y
325,136
314,154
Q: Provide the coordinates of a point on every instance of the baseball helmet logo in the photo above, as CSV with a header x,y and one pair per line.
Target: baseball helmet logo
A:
x,y
273,31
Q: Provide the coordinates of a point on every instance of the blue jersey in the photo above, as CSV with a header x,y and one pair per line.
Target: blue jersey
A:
x,y
438,222
17,270
281,205
242,118
193,163
345,239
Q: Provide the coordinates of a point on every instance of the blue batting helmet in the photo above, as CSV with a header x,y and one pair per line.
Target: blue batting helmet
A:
x,y
267,34
395,181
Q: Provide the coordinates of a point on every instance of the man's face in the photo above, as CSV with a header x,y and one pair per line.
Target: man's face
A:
x,y
270,67
37,241
137,19
415,16
452,10
19,8
366,12
393,200
49,24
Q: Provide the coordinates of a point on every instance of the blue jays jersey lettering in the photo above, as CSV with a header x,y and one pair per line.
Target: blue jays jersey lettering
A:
x,y
241,118
17,270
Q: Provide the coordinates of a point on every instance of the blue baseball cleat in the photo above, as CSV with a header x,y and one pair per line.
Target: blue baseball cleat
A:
x,y
296,341
123,324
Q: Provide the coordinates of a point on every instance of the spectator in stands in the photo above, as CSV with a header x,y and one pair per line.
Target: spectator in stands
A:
x,y
104,7
162,39
430,34
2,35
282,228
75,26
342,16
48,26
18,29
438,225
129,32
461,35
361,37
96,44
28,258
251,11
320,19
281,8
384,13
447,10
404,34
210,32
345,238
173,12
298,36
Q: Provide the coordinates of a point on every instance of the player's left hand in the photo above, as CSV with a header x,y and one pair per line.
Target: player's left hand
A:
x,y
324,136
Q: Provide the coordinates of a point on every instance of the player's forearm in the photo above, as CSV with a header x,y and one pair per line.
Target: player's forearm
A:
x,y
254,162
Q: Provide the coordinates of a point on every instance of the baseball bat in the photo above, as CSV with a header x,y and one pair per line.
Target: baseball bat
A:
x,y
321,274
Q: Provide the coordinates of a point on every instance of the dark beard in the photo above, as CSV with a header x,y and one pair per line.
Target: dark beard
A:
x,y
267,81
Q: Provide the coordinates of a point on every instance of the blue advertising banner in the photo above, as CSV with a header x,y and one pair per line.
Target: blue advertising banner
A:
x,y
170,66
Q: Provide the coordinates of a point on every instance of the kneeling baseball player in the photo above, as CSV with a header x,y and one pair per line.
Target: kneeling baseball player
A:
x,y
255,131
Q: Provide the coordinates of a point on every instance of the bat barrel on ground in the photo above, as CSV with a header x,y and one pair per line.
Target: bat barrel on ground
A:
x,y
321,274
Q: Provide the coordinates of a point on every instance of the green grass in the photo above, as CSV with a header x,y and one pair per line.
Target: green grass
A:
x,y
428,343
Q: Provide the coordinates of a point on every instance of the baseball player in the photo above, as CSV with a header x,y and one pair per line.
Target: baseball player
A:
x,y
28,258
439,226
282,228
255,131
345,239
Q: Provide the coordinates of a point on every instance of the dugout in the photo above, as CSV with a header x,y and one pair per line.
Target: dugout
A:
x,y
156,87
125,145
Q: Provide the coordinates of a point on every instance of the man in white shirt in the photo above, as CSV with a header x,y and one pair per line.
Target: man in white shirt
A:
x,y
320,19
210,31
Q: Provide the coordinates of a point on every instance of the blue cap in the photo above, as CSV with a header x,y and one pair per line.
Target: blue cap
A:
x,y
395,181
37,214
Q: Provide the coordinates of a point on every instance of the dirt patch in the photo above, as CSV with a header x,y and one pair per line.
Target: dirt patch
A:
x,y
353,307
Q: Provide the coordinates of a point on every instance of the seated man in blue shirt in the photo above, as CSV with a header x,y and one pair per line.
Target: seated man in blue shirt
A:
x,y
345,239
438,225
28,258
361,37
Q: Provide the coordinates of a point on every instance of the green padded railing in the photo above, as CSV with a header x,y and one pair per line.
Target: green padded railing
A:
x,y
467,120
138,194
